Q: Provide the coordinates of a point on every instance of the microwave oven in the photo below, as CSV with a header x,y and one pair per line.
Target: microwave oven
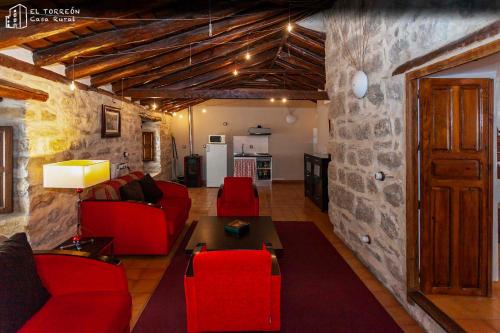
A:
x,y
216,139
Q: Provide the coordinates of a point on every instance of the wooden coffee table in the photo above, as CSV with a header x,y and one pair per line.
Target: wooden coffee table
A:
x,y
95,246
210,230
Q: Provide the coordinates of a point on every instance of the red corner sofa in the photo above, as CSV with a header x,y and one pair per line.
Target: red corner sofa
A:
x,y
137,228
87,295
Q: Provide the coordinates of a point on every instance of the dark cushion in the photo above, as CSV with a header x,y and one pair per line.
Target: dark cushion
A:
x,y
151,191
132,191
22,293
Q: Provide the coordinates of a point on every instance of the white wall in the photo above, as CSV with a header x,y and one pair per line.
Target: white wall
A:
x,y
287,144
322,121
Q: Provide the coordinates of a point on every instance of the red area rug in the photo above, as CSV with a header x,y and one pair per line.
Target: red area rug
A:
x,y
320,292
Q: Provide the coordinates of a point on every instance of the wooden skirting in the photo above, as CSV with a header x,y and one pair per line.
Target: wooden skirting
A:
x,y
436,313
287,181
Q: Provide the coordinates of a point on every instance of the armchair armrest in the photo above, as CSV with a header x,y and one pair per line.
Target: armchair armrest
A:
x,y
62,273
275,269
255,191
190,269
172,189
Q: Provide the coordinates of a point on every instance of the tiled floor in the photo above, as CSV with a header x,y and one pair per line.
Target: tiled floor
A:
x,y
284,202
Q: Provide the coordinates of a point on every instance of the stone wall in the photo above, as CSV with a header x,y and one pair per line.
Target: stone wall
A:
x,y
66,126
368,136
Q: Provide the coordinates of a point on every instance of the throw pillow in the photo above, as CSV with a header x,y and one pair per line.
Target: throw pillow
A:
x,y
22,293
152,192
132,191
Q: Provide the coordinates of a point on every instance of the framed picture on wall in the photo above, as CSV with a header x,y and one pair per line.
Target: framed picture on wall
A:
x,y
111,125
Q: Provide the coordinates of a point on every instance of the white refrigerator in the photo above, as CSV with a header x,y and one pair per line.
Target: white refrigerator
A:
x,y
216,164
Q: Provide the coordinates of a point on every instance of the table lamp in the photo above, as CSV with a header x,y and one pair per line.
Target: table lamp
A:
x,y
76,174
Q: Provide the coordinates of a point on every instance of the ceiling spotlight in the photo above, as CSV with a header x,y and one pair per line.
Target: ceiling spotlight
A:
x,y
181,116
154,106
174,114
204,110
72,86
272,100
283,100
235,72
248,56
289,27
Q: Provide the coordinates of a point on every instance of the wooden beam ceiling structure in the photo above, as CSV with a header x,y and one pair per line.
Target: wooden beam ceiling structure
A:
x,y
184,50
17,91
226,94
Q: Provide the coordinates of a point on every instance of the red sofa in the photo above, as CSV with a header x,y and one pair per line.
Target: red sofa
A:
x,y
137,228
87,295
233,290
238,197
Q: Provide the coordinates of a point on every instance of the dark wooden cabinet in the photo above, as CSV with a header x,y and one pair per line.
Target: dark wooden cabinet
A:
x,y
316,179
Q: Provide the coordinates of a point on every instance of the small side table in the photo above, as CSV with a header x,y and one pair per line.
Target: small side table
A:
x,y
99,246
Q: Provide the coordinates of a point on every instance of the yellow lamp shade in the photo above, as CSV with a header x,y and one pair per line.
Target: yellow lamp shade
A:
x,y
77,174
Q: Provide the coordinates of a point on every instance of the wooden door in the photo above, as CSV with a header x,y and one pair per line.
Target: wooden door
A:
x,y
456,176
6,169
148,146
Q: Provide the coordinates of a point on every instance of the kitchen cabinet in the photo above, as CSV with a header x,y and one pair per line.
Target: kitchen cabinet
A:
x,y
316,179
258,166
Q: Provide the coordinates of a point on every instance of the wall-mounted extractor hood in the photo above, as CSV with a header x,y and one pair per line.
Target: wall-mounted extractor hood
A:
x,y
259,130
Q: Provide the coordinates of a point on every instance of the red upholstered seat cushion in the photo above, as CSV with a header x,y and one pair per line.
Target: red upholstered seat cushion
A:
x,y
96,312
233,288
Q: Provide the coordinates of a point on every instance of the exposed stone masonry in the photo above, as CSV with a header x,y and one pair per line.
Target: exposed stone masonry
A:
x,y
367,136
62,128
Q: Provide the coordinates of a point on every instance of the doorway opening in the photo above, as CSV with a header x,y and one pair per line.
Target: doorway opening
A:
x,y
452,204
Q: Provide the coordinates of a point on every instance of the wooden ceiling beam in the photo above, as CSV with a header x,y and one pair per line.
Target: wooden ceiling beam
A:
x,y
318,36
211,74
298,62
307,43
161,46
226,94
260,54
218,45
305,54
106,40
17,91
199,62
274,71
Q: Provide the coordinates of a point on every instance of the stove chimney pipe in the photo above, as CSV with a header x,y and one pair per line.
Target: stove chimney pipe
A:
x,y
190,125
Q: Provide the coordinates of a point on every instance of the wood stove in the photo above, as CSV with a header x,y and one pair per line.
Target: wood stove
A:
x,y
192,171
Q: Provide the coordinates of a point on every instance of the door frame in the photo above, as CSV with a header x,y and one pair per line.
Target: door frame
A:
x,y
414,295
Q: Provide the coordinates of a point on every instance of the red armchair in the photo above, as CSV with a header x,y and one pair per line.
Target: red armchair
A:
x,y
87,295
233,290
238,197
137,228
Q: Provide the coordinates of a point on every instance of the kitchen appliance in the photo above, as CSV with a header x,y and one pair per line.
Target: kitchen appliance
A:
x,y
216,155
220,139
259,130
